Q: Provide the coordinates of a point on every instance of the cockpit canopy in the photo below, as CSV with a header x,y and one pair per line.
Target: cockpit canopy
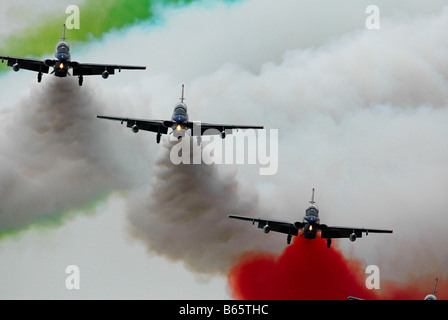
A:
x,y
312,211
180,109
63,47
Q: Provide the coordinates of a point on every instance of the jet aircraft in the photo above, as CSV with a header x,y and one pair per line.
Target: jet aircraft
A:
x,y
309,227
63,63
179,124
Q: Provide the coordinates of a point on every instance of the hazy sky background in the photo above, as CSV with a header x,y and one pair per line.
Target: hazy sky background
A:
x,y
361,116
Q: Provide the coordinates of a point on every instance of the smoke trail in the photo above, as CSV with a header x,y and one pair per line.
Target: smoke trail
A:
x,y
97,18
308,270
18,15
183,215
54,156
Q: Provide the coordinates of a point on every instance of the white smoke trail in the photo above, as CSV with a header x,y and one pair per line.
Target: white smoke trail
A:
x,y
54,156
183,215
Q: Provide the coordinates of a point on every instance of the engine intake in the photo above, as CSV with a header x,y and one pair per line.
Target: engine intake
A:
x,y
105,74
352,237
49,63
16,67
266,229
135,129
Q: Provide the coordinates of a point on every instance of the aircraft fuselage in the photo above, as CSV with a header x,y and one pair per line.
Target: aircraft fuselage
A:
x,y
62,55
180,119
311,220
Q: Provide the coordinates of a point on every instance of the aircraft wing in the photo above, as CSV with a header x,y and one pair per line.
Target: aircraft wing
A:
x,y
345,232
157,126
218,128
89,69
274,225
27,63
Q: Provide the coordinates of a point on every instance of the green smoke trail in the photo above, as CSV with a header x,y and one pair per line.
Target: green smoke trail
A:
x,y
96,16
56,219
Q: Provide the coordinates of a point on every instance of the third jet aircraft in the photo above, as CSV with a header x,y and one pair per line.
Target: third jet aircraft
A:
x,y
309,227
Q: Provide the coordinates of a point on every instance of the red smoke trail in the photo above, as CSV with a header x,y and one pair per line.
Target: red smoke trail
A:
x,y
308,270
417,289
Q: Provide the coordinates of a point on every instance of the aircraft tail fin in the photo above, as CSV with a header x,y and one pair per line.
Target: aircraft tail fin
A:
x,y
183,90
312,197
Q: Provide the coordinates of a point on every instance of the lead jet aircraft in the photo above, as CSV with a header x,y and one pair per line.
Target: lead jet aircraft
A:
x,y
63,63
309,227
179,124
